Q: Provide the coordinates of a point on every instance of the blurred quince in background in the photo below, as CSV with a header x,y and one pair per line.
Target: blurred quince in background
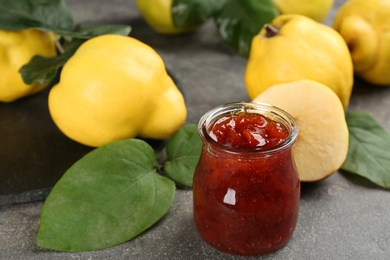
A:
x,y
314,9
16,49
294,47
365,26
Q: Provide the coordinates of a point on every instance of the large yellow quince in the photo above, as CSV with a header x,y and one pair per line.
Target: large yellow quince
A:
x,y
314,9
116,87
365,26
295,47
158,14
16,50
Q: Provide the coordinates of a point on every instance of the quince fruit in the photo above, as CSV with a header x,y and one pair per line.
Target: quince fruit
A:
x,y
365,26
295,47
322,144
116,87
16,50
314,9
157,13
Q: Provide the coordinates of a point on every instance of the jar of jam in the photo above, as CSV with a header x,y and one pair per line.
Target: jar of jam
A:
x,y
246,188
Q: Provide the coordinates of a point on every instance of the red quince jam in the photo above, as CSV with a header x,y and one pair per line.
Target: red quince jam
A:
x,y
246,201
248,131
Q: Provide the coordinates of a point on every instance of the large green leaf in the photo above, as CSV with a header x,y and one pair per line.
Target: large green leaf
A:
x,y
106,198
42,14
183,151
369,149
239,21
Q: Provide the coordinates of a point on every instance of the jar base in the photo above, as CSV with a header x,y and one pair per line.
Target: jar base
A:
x,y
254,250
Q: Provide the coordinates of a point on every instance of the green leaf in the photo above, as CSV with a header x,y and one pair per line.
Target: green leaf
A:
x,y
106,198
368,152
239,21
87,32
43,69
191,13
183,151
41,14
50,15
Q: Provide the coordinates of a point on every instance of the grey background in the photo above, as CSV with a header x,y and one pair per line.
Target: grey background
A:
x,y
341,217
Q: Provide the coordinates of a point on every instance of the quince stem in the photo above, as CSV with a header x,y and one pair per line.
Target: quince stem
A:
x,y
270,30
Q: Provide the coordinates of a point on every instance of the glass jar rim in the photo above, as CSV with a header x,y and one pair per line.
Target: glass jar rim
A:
x,y
252,107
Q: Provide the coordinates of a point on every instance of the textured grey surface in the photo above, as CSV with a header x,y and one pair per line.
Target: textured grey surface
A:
x,y
342,217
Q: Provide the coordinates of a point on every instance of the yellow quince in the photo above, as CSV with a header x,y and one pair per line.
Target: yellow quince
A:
x,y
294,47
116,87
365,26
314,9
16,50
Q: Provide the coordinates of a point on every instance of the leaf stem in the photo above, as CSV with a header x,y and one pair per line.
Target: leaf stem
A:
x,y
59,47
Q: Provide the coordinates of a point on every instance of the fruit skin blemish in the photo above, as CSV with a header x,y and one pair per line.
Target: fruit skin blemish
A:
x,y
246,188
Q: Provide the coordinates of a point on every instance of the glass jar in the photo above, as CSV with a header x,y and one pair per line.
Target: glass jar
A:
x,y
246,201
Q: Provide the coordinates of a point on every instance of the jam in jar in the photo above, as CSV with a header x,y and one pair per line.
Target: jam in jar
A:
x,y
246,188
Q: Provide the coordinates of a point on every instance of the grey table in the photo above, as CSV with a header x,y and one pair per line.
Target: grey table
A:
x,y
342,217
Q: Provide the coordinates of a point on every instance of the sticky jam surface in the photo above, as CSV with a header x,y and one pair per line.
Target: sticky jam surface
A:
x,y
246,204
248,131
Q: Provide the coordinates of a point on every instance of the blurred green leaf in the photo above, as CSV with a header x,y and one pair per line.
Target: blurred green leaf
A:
x,y
90,31
191,13
239,21
48,15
